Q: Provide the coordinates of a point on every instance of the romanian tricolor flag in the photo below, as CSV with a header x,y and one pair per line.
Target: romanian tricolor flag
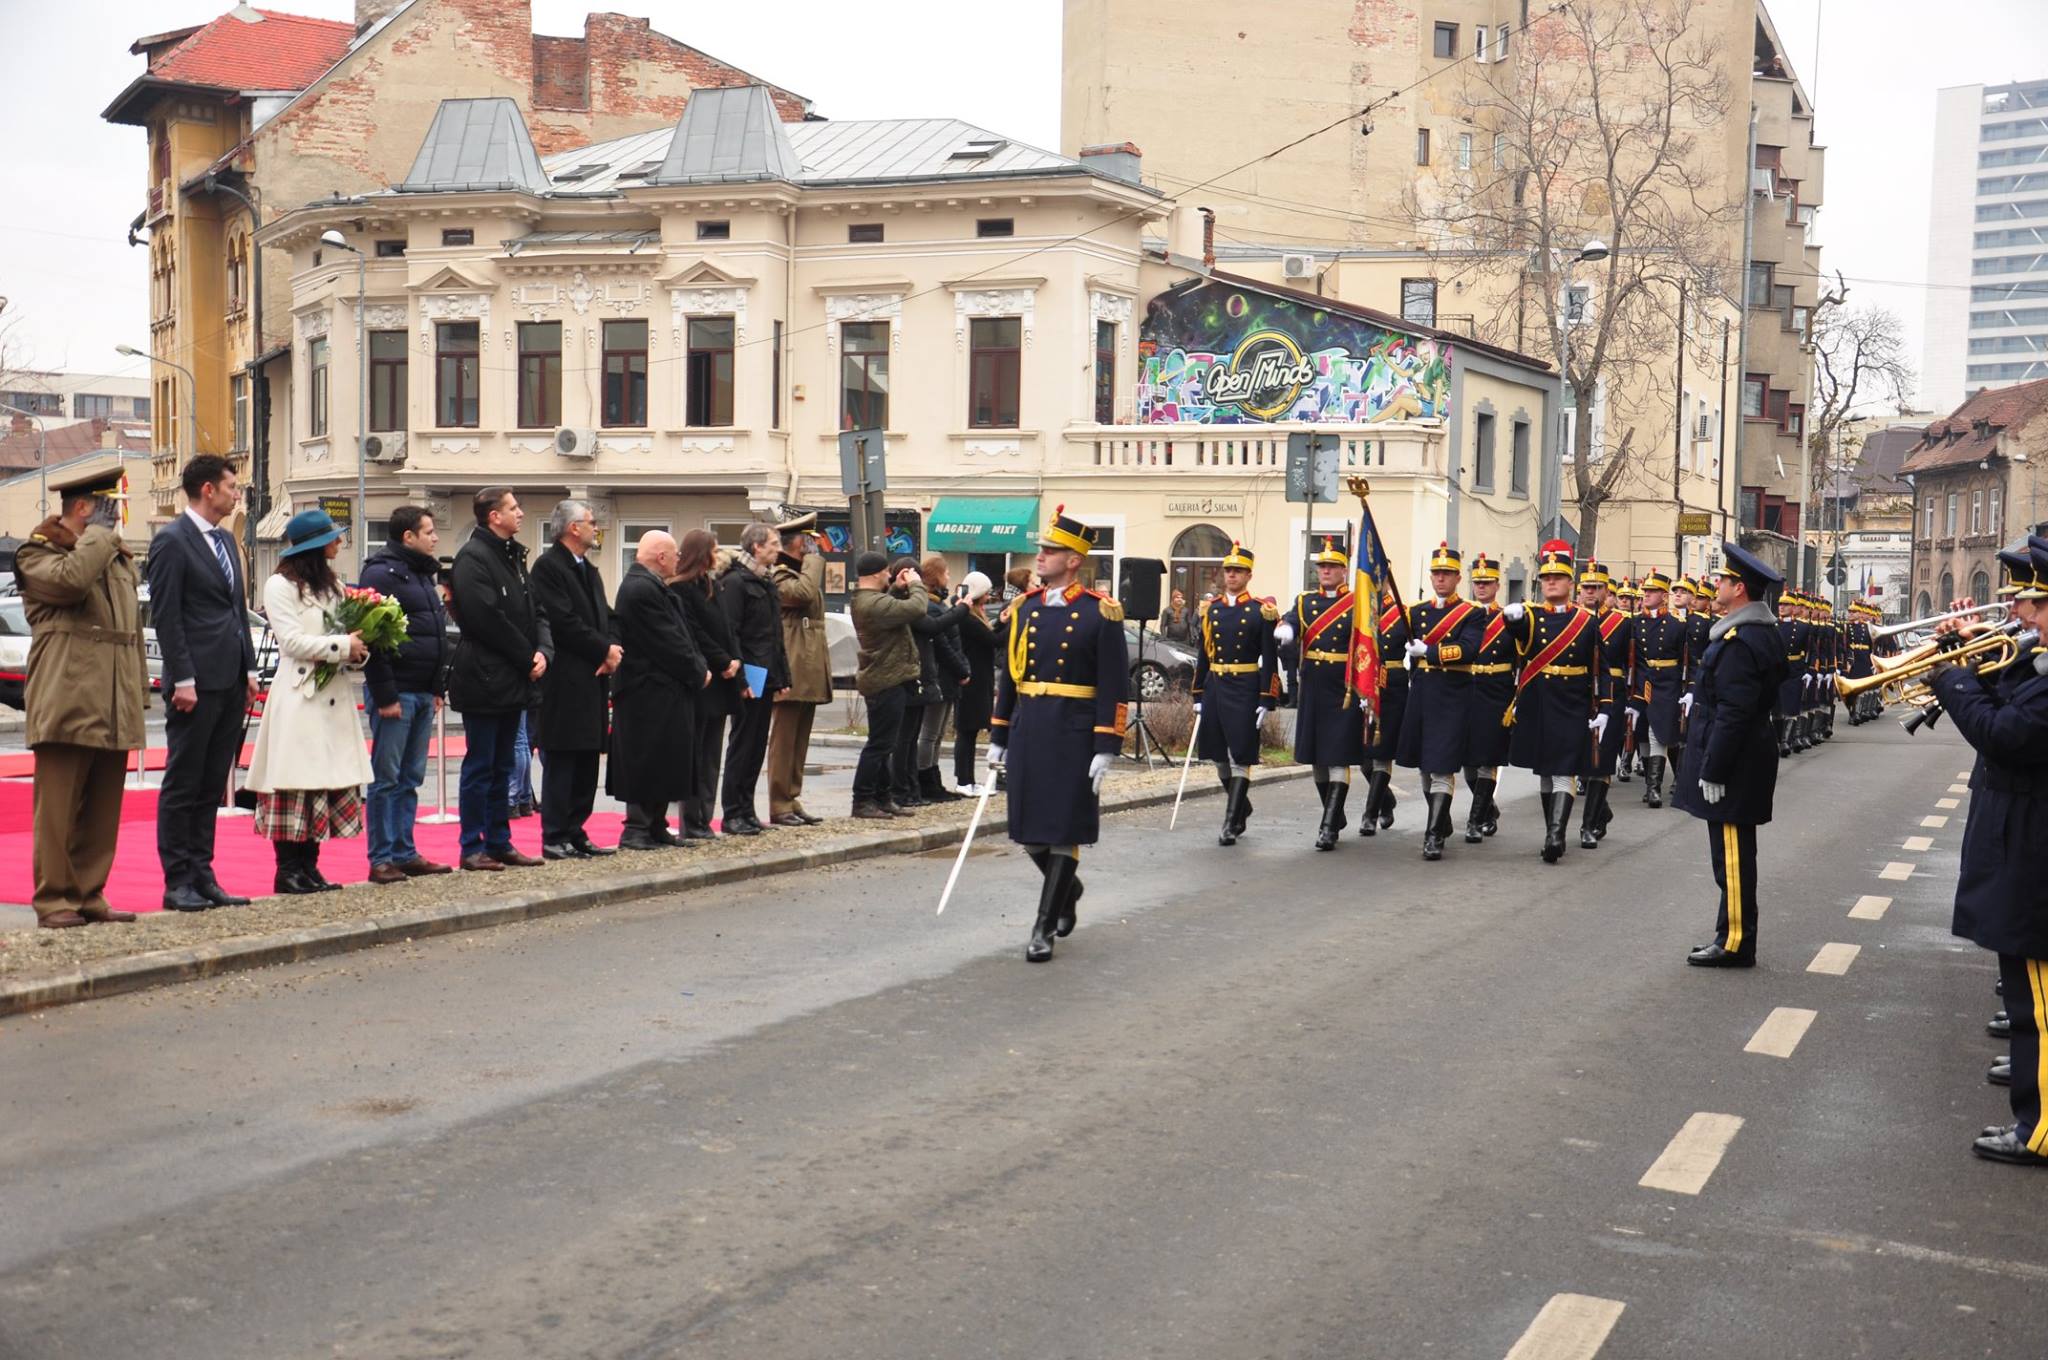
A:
x,y
1372,580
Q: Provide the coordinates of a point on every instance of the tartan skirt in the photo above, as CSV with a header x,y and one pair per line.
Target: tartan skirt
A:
x,y
309,814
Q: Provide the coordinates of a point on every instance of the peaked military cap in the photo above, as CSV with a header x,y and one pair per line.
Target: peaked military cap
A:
x,y
1240,556
1484,568
1445,558
1740,564
1068,533
1331,555
1554,559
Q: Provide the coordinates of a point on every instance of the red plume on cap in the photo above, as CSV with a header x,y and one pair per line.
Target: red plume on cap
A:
x,y
1058,510
1557,545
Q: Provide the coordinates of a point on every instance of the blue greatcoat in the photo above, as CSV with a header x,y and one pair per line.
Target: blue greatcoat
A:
x,y
1436,726
2001,897
1329,722
1237,669
1060,696
1729,740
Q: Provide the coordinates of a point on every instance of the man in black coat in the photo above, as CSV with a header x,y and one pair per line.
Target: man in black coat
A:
x,y
504,652
654,698
196,606
747,595
1730,767
405,690
575,708
2001,899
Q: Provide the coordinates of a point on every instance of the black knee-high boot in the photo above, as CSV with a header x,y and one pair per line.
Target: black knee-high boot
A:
x,y
1559,809
1333,817
1233,812
1654,779
1436,825
1060,873
1375,793
1589,816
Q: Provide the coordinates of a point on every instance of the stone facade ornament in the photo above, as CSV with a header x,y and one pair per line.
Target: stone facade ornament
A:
x,y
454,448
313,325
1110,307
709,301
538,299
706,447
992,448
385,316
580,292
315,452
607,445
969,303
841,307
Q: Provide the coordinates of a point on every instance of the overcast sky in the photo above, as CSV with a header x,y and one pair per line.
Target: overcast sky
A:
x,y
76,181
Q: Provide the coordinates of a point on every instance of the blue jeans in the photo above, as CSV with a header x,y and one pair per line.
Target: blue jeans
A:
x,y
522,764
398,762
486,797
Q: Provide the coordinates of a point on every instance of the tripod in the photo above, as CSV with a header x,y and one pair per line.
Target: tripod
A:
x,y
1147,745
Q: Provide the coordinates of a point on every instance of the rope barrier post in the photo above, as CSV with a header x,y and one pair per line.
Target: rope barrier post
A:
x,y
442,816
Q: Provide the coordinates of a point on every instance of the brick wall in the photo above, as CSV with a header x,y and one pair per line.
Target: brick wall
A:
x,y
561,73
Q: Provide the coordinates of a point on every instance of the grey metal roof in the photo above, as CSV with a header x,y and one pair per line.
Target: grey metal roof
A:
x,y
476,144
727,135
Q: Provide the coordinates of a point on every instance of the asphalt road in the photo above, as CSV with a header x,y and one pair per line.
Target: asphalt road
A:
x,y
1264,1103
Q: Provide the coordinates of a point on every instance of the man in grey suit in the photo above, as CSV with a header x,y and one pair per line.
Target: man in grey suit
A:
x,y
196,594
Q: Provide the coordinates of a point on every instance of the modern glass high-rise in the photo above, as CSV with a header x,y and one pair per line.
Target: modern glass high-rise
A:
x,y
1987,242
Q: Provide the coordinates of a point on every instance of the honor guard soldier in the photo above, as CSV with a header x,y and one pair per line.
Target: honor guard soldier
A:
x,y
1059,720
1628,599
1616,632
1856,659
1558,713
1385,737
1237,674
1659,683
1730,767
1794,634
1443,636
1329,721
1493,689
1820,666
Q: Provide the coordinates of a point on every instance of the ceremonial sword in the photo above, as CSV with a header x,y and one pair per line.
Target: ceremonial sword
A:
x,y
980,806
1185,766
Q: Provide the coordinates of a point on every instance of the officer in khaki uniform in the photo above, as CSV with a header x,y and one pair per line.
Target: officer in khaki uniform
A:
x,y
799,577
87,683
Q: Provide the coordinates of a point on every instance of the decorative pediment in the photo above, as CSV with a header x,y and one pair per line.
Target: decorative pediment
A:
x,y
994,297
687,300
702,273
313,323
450,279
864,306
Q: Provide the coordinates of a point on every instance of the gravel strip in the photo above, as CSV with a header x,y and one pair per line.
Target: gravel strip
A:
x,y
49,967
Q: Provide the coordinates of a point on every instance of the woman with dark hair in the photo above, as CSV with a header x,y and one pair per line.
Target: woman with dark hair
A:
x,y
978,695
696,586
310,764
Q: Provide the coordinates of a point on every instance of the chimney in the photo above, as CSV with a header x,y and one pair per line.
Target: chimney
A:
x,y
1208,237
100,426
21,424
1117,160
368,12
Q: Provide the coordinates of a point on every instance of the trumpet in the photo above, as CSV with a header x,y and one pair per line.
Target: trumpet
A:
x,y
1996,612
1902,679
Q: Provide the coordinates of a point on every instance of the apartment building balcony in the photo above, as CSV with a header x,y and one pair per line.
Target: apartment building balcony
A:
x,y
1392,449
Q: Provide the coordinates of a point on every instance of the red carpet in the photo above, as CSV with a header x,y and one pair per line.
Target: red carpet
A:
x,y
22,764
242,861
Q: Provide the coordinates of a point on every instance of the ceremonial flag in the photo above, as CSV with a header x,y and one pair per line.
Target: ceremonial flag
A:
x,y
1372,579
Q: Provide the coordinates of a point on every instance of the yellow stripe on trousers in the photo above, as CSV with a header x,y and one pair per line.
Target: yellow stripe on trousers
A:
x,y
1731,871
2039,987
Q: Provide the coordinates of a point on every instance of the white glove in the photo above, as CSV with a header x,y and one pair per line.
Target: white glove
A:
x,y
1635,717
1258,717
1098,770
1598,727
1713,793
998,756
1418,649
1515,611
1198,708
1283,632
1685,703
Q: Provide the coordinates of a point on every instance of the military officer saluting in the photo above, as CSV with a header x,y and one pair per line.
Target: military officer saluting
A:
x,y
1059,720
1237,671
1329,721
1659,682
1444,633
1559,712
1493,689
1730,768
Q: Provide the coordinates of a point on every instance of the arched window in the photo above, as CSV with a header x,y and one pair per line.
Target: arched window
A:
x,y
1980,587
1926,609
1948,588
1197,569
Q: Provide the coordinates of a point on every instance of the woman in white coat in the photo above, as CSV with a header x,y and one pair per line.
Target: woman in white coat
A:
x,y
310,765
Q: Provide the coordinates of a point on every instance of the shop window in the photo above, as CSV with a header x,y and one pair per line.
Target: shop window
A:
x,y
1197,562
708,373
625,375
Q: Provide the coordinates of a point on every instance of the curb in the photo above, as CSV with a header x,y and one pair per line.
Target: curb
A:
x,y
112,977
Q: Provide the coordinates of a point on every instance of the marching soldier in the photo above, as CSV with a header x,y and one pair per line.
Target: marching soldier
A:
x,y
1730,767
1493,689
1386,729
1856,659
1793,634
1329,721
1444,635
1237,672
1060,705
1616,632
1659,682
1559,712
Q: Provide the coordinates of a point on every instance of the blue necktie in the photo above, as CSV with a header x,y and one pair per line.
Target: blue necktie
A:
x,y
226,555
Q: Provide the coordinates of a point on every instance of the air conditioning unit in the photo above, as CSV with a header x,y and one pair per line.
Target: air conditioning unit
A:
x,y
1297,266
385,448
576,443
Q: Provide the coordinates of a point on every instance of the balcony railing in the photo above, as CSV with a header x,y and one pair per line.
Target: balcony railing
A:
x,y
1410,447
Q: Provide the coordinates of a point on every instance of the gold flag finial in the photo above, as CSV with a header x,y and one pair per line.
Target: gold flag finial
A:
x,y
1358,487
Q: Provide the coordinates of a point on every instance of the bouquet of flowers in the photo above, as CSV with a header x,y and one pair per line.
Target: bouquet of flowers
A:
x,y
379,618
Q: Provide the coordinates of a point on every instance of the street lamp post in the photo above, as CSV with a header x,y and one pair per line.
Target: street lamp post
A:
x,y
42,457
1595,249
333,238
191,392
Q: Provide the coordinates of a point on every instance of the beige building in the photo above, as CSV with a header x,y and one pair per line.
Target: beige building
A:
x,y
1337,214
678,325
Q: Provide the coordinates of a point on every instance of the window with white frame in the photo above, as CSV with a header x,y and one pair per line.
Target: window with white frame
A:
x,y
1482,49
1952,499
1927,530
1976,512
1991,519
1465,146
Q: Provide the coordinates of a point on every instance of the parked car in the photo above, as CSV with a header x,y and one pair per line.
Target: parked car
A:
x,y
13,651
259,638
1161,667
842,648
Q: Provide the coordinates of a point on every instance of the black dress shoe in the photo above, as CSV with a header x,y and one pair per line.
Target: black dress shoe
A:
x,y
638,840
1714,956
212,891
185,897
2000,1071
594,851
561,850
2005,1146
808,819
295,882
741,826
1999,1026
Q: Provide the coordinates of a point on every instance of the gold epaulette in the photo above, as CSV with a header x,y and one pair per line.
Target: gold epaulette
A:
x,y
1269,612
1111,609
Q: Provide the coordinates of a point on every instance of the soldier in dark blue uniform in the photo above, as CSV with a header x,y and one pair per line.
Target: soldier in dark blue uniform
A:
x,y
1493,689
1658,683
1794,634
1616,631
1628,599
1385,736
1856,644
1237,676
1443,636
2001,900
1559,712
1059,720
1329,720
1730,768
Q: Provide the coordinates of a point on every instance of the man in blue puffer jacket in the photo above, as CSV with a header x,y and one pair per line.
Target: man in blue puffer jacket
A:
x,y
405,689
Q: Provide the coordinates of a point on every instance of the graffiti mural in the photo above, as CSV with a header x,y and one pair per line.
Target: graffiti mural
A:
x,y
1218,354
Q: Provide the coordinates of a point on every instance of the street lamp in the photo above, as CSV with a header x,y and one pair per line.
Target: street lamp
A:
x,y
191,392
334,238
1594,249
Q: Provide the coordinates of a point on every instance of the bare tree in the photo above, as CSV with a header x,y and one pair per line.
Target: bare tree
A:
x,y
1859,362
1597,126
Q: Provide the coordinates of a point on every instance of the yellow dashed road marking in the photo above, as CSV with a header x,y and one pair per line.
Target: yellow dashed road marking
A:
x,y
1898,871
1780,1032
1690,1158
1869,908
1834,958
1570,1327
